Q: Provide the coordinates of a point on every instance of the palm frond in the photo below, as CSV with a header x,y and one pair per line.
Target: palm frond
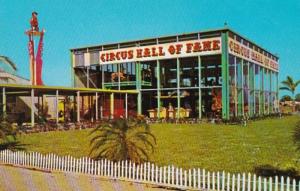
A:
x,y
297,83
8,61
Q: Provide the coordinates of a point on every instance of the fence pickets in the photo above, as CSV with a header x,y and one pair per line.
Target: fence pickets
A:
x,y
170,176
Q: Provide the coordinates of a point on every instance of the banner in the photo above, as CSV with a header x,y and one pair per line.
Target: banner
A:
x,y
240,50
207,46
39,61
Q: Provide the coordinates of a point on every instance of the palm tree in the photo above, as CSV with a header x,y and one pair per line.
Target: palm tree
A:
x,y
7,61
290,86
122,139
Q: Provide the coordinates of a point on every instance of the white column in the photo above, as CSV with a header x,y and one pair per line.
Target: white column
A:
x,y
112,107
4,102
126,105
56,106
78,106
96,106
87,77
32,107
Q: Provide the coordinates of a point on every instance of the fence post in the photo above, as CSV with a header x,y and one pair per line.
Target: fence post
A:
x,y
208,180
152,172
169,175
270,184
244,181
213,180
223,181
164,175
148,171
276,183
265,184
145,171
156,174
185,179
160,175
105,167
138,172
177,177
259,183
228,182
98,167
126,175
194,178
254,182
133,172
281,183
190,178
294,185
180,176
119,169
122,169
238,182
101,167
203,179
129,169
115,170
248,183
233,183
218,181
199,178
288,184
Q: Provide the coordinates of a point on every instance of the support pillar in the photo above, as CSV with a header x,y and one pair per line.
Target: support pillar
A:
x,y
243,88
78,106
277,93
138,87
200,85
126,105
225,74
96,107
87,77
178,86
4,102
112,107
56,107
32,108
158,88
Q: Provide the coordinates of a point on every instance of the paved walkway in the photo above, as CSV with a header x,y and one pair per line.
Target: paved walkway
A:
x,y
15,178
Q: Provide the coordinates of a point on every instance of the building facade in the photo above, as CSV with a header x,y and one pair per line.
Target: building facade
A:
x,y
216,73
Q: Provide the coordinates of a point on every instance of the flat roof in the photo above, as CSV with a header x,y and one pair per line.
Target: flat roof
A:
x,y
25,90
170,36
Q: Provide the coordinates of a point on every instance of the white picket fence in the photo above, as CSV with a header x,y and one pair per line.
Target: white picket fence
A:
x,y
169,176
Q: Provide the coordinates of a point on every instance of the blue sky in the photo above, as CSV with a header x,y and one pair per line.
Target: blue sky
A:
x,y
273,24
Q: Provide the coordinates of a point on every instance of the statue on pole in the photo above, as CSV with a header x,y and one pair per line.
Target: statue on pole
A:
x,y
35,59
34,22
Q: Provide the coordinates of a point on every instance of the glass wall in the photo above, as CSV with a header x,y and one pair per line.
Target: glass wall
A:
x,y
168,73
175,88
189,72
232,87
252,88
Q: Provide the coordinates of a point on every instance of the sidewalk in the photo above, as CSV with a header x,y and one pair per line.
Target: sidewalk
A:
x,y
15,178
